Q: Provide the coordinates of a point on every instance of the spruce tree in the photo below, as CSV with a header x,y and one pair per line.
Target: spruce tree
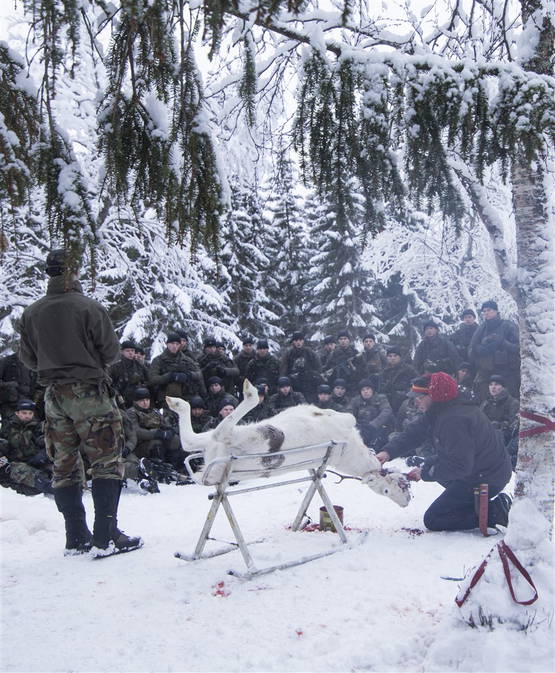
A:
x,y
341,294
245,263
288,247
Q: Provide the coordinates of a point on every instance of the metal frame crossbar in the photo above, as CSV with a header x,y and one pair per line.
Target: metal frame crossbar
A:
x,y
223,473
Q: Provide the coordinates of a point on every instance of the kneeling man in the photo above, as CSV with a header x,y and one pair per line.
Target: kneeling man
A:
x,y
467,451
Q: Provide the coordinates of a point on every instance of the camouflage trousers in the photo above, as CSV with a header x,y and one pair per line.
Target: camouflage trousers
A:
x,y
82,415
21,473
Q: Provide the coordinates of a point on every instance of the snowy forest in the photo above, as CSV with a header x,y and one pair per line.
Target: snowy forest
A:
x,y
234,168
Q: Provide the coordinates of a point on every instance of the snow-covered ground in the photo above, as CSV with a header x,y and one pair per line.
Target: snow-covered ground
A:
x,y
381,606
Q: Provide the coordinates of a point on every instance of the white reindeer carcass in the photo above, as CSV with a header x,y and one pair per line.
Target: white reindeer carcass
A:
x,y
301,425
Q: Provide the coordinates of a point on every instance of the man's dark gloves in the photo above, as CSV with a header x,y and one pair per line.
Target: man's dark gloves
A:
x,y
163,434
181,377
40,459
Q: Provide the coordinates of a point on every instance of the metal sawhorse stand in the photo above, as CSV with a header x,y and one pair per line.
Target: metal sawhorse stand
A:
x,y
239,468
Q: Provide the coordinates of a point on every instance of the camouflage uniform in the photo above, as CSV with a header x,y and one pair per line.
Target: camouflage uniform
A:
x,y
127,375
70,341
83,414
25,450
147,424
15,384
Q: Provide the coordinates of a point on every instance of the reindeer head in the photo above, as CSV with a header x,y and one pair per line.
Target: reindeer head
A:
x,y
393,485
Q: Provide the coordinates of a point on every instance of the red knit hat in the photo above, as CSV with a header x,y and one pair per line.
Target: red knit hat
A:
x,y
442,387
439,386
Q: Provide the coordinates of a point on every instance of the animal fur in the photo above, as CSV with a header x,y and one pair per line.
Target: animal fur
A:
x,y
297,426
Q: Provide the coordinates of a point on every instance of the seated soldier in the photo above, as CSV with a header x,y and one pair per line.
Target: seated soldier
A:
x,y
324,400
339,395
502,410
467,452
373,415
216,393
132,468
156,439
261,411
285,396
199,414
25,467
227,405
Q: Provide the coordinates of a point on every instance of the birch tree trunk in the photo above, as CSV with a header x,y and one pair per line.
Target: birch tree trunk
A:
x,y
531,519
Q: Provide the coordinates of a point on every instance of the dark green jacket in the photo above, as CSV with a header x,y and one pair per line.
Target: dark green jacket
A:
x,y
67,337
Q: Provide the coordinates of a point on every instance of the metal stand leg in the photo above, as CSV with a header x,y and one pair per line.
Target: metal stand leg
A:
x,y
238,535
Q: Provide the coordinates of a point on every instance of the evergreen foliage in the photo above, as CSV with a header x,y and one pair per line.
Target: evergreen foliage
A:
x,y
245,286
398,119
288,247
19,130
341,292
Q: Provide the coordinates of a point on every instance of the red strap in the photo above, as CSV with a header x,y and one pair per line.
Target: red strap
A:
x,y
507,553
475,579
546,424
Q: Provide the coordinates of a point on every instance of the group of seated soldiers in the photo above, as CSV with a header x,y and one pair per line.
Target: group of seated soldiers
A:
x,y
372,385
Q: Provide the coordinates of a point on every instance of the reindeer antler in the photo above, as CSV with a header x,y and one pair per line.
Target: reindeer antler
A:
x,y
342,476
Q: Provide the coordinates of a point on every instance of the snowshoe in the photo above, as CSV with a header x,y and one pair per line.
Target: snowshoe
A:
x,y
121,544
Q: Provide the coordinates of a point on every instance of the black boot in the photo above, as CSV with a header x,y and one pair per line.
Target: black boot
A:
x,y
69,502
107,538
499,508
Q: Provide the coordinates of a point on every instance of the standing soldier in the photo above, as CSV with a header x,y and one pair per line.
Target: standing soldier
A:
x,y
462,337
242,360
263,366
214,362
495,349
174,374
340,362
329,344
302,366
435,349
396,378
371,362
69,340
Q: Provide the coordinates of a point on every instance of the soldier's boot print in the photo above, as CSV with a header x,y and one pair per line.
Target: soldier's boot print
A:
x,y
78,536
107,538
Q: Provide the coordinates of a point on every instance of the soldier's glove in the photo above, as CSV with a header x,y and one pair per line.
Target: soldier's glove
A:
x,y
163,434
182,377
125,452
40,459
220,371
